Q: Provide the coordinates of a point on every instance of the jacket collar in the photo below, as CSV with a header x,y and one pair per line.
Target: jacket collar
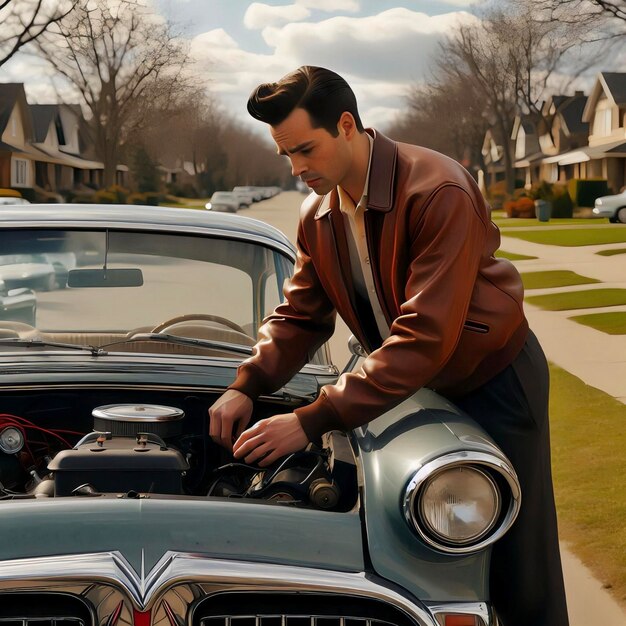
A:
x,y
381,179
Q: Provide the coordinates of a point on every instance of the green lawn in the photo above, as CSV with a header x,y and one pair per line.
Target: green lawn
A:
x,y
524,222
554,278
572,237
511,256
612,252
579,299
613,323
589,466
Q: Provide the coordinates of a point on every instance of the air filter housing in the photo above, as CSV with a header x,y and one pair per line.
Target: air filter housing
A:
x,y
127,420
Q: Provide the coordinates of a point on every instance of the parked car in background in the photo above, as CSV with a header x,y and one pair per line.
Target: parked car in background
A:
x,y
245,197
117,507
27,270
224,201
11,197
613,207
17,305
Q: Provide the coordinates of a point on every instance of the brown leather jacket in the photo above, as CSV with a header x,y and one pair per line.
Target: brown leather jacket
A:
x,y
455,312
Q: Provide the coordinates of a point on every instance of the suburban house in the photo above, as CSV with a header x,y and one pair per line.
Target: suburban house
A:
x,y
493,156
528,154
605,112
564,132
575,137
46,147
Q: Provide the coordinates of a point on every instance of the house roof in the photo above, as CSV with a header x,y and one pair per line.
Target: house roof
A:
x,y
616,83
571,110
9,95
611,83
43,114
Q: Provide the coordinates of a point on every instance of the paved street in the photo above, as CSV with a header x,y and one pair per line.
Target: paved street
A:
x,y
596,358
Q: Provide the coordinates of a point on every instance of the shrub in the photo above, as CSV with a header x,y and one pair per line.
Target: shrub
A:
x,y
562,206
119,192
83,198
136,198
182,190
584,192
153,198
104,197
523,207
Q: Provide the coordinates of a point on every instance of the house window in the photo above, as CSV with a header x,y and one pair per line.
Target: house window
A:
x,y
20,173
602,122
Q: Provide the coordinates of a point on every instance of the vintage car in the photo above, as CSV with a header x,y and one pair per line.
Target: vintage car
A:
x,y
118,509
18,305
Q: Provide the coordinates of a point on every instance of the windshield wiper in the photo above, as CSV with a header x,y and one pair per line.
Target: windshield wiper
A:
x,y
40,343
184,341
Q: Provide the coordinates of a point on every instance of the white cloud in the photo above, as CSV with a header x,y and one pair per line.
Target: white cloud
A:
x,y
381,56
259,15
463,3
331,6
394,45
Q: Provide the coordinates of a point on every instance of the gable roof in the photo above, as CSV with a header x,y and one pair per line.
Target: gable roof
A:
x,y
613,84
616,83
571,111
43,114
10,94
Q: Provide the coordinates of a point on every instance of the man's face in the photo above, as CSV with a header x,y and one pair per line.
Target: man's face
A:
x,y
319,159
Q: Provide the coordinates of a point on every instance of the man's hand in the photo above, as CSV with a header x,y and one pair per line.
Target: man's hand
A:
x,y
231,408
270,439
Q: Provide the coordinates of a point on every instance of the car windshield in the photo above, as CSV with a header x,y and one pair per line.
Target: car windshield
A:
x,y
200,287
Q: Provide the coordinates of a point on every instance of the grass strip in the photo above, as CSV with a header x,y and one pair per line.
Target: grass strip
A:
x,y
524,222
573,236
589,465
511,256
587,299
612,252
613,323
554,278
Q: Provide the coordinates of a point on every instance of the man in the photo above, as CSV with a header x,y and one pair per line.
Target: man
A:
x,y
397,239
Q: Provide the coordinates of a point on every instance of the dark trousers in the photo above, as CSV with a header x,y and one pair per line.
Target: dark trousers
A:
x,y
526,580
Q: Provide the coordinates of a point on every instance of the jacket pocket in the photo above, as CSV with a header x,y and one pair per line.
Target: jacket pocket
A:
x,y
477,327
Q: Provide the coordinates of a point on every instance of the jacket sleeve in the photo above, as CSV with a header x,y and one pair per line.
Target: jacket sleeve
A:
x,y
447,241
292,333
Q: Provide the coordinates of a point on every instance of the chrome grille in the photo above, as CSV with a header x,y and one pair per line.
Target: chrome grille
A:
x,y
42,621
292,620
274,608
44,609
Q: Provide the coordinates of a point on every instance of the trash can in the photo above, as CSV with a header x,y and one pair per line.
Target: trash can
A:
x,y
543,210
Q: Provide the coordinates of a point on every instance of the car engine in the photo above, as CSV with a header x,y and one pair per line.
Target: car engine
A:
x,y
137,449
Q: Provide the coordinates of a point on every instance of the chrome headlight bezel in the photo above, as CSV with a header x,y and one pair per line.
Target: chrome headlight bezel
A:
x,y
497,470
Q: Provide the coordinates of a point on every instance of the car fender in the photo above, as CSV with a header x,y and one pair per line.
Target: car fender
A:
x,y
392,449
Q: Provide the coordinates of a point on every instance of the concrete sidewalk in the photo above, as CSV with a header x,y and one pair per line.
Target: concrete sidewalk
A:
x,y
595,357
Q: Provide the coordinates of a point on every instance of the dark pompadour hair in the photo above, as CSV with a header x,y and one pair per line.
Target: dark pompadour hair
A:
x,y
323,94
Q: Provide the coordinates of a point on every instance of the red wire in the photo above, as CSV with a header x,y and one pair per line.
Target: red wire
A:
x,y
14,420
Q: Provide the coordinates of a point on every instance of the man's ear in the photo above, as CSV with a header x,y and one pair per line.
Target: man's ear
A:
x,y
347,125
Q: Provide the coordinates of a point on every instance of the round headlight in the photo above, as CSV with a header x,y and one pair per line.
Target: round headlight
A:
x,y
11,440
459,505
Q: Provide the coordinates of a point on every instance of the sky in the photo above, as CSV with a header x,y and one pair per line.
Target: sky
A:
x,y
381,47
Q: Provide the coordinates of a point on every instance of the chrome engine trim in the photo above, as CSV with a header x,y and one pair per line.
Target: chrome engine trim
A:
x,y
107,578
456,459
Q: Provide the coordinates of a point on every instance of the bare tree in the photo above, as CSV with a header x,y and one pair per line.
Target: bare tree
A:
x,y
461,107
587,11
509,58
24,20
121,58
